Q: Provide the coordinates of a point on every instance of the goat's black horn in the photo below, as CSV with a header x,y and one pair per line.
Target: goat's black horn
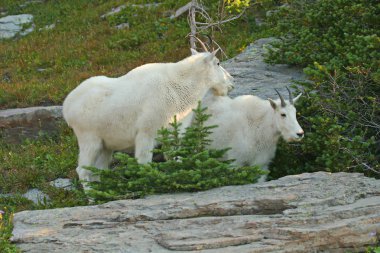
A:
x,y
283,104
210,42
290,96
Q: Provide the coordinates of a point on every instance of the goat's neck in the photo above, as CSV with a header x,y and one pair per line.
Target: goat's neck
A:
x,y
184,92
190,83
264,122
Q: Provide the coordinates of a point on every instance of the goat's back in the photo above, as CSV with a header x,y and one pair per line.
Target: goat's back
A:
x,y
244,126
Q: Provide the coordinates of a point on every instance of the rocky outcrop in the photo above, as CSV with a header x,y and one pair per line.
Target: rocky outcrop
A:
x,y
318,212
18,124
253,76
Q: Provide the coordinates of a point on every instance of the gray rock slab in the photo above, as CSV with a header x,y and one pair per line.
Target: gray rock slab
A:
x,y
12,25
64,183
36,195
253,76
317,212
18,124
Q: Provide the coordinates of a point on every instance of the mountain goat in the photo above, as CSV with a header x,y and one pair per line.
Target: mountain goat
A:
x,y
251,126
123,113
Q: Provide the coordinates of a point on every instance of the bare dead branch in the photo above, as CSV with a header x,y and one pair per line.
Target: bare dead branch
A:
x,y
193,28
181,10
200,20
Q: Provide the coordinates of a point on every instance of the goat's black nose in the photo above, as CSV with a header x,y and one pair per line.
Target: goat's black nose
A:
x,y
300,134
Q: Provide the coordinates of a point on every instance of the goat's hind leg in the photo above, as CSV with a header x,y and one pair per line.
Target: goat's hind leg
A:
x,y
90,147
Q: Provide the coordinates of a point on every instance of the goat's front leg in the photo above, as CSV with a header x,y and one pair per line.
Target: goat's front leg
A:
x,y
144,144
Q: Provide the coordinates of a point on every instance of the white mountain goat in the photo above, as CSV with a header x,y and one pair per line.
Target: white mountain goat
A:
x,y
123,113
251,127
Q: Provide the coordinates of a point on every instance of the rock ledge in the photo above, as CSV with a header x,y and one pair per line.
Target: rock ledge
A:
x,y
318,212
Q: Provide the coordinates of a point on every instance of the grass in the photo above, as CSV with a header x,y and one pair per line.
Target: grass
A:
x,y
33,164
44,66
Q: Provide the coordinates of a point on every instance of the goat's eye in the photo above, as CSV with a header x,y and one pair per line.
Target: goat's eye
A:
x,y
283,115
218,63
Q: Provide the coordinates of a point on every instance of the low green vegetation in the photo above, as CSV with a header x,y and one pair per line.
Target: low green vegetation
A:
x,y
6,231
340,112
44,66
34,162
373,250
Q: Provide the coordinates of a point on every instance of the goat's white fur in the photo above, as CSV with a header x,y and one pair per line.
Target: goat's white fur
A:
x,y
251,127
122,113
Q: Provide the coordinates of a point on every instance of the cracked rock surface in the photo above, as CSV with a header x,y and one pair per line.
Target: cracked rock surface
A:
x,y
311,212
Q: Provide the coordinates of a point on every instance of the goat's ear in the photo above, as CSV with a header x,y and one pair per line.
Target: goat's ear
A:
x,y
296,98
272,103
215,51
193,51
209,58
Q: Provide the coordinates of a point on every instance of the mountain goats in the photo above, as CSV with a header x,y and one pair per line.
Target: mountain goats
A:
x,y
122,113
251,126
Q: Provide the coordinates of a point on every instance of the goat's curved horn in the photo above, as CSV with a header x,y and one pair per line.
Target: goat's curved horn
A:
x,y
290,96
283,104
201,42
210,42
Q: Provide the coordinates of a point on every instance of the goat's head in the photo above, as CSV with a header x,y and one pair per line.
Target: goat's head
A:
x,y
219,80
285,117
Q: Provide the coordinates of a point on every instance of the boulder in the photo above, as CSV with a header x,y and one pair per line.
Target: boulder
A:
x,y
12,25
253,76
63,183
311,212
21,123
36,195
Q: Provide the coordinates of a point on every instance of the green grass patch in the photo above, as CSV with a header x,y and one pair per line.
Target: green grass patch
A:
x,y
44,66
35,162
6,217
